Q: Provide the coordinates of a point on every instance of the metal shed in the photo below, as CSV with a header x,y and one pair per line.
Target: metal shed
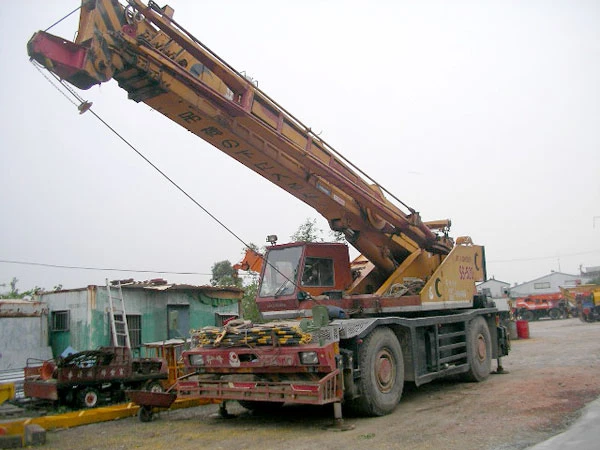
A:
x,y
155,310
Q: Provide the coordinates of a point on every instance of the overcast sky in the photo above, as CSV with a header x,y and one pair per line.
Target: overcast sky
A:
x,y
487,113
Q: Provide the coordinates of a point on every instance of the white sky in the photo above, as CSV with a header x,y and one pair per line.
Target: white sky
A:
x,y
487,113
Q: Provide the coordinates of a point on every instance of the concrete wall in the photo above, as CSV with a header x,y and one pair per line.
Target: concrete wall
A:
x,y
23,334
79,334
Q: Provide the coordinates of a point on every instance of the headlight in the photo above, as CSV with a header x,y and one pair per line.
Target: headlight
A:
x,y
196,359
309,358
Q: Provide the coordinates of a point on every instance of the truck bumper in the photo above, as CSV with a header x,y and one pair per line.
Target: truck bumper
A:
x,y
328,389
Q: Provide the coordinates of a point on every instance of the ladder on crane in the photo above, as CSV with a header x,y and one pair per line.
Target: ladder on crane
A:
x,y
118,318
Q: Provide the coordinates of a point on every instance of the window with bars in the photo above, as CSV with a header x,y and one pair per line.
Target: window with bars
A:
x,y
59,320
542,285
134,323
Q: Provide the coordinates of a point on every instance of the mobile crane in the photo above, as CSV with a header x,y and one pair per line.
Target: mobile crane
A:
x,y
347,332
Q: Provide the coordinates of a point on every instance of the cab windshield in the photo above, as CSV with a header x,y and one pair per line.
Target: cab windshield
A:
x,y
281,270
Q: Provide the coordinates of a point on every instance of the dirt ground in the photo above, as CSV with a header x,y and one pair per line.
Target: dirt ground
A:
x,y
552,376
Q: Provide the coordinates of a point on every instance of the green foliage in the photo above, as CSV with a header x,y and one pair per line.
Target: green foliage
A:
x,y
337,236
223,274
249,307
308,232
14,292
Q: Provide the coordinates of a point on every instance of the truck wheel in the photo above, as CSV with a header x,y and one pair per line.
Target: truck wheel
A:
x,y
479,350
260,406
153,386
382,374
88,397
527,315
555,314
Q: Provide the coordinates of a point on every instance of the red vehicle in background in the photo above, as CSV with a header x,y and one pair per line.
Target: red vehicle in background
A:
x,y
535,307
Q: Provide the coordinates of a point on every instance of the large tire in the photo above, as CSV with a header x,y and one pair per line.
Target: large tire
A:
x,y
528,315
382,374
88,397
479,350
555,314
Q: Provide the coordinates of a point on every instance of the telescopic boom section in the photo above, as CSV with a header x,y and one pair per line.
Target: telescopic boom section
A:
x,y
159,63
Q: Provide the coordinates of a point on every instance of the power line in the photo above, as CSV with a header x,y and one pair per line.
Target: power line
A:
x,y
60,266
537,258
85,106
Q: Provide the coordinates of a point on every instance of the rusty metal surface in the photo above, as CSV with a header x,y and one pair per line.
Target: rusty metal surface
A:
x,y
309,392
46,389
22,308
148,398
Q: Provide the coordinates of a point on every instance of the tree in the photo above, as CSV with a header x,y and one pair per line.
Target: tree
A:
x,y
223,274
249,308
248,305
14,292
308,232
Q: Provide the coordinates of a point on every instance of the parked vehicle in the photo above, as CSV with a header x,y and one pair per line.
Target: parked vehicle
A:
x,y
341,330
586,299
86,378
540,306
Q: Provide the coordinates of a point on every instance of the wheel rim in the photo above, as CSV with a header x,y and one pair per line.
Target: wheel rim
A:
x,y
481,348
155,387
90,399
385,370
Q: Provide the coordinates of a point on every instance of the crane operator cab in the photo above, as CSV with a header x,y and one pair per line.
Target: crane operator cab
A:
x,y
294,273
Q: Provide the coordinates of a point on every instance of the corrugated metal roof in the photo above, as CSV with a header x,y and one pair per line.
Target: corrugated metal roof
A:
x,y
162,285
159,284
551,274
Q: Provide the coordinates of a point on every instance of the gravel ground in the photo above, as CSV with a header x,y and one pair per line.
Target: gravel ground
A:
x,y
552,376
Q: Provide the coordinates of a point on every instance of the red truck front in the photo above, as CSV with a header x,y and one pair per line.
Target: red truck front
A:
x,y
294,359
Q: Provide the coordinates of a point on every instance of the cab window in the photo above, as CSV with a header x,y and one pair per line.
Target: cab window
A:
x,y
317,272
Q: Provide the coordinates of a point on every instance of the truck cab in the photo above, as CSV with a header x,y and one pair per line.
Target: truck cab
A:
x,y
295,272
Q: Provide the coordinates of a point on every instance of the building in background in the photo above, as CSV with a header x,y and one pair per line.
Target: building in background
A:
x,y
155,311
548,284
23,333
589,273
494,288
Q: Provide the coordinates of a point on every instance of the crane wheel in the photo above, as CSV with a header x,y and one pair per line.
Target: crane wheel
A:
x,y
382,374
479,350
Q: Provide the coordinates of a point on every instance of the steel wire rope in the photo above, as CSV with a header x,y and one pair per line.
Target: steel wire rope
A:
x,y
154,6
85,106
60,20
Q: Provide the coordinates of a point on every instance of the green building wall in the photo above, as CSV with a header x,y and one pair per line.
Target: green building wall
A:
x,y
89,326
